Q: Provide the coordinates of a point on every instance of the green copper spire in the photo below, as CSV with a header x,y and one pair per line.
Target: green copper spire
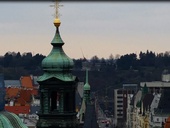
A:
x,y
57,38
144,90
87,86
57,64
86,95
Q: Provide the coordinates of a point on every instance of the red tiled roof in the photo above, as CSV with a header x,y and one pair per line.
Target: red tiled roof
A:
x,y
34,92
26,81
22,96
25,97
167,123
12,92
18,109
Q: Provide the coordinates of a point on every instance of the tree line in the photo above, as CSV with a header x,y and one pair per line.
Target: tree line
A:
x,y
26,60
131,61
13,64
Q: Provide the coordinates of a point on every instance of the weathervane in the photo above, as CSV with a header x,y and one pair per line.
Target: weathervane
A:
x,y
56,6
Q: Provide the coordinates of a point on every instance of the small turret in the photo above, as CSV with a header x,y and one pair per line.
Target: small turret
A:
x,y
144,90
87,89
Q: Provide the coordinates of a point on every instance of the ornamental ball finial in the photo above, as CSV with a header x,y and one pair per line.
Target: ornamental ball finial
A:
x,y
57,22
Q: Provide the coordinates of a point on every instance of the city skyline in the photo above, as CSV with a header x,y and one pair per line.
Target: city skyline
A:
x,y
89,28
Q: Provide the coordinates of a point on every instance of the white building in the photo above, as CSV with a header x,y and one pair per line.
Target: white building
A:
x,y
153,119
157,86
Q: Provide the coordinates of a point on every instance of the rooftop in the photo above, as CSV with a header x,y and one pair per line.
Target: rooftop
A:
x,y
155,84
164,104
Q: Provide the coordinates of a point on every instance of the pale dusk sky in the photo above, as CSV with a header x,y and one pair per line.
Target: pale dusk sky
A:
x,y
95,28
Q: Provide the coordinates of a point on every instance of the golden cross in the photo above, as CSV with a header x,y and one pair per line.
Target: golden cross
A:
x,y
56,6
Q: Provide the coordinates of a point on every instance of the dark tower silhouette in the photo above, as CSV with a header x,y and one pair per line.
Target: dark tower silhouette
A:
x,y
57,88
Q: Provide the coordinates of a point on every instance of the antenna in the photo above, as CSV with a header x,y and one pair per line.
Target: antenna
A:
x,y
56,6
82,53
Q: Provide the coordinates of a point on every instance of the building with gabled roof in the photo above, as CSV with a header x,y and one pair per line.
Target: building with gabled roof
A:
x,y
167,123
140,108
21,100
26,81
162,112
7,119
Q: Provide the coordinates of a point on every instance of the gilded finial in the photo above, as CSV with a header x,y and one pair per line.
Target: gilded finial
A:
x,y
57,14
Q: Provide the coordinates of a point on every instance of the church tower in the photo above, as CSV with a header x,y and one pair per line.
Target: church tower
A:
x,y
86,93
57,87
85,101
87,116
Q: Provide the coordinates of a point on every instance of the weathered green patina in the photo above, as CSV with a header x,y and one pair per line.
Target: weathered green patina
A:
x,y
87,86
10,120
57,88
86,93
57,64
86,99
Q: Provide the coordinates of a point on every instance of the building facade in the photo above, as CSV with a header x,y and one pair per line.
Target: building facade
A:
x,y
121,101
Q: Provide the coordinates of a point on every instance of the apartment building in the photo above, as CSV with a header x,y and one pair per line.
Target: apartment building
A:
x,y
121,99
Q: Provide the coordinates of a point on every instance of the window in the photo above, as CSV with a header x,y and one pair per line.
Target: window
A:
x,y
120,97
119,92
119,105
119,101
119,114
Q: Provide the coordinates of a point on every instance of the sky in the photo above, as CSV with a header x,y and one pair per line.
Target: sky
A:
x,y
87,28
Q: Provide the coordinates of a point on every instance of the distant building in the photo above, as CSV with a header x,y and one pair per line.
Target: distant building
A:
x,y
167,123
27,81
18,99
7,119
165,76
149,110
121,101
86,65
153,107
158,86
162,112
87,114
89,65
139,109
